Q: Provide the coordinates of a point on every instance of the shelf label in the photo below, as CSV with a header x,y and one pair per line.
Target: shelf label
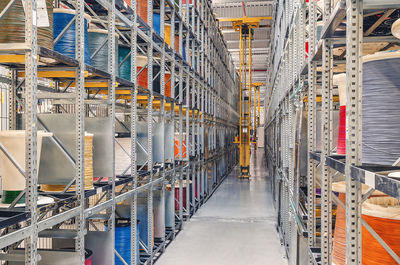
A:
x,y
370,179
40,16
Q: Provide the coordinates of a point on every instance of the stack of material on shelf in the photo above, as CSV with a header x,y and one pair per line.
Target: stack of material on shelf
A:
x,y
13,181
66,43
99,50
340,81
339,243
12,25
88,169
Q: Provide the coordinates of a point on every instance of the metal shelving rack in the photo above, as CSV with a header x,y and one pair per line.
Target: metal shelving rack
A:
x,y
202,110
303,79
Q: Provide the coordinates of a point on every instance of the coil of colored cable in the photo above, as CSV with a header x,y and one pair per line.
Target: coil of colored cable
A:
x,y
380,104
380,255
124,70
66,43
340,81
88,169
157,22
12,26
123,241
380,100
98,46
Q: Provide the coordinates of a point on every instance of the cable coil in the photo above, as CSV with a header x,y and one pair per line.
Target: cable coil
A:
x,y
98,46
66,43
13,23
123,241
380,106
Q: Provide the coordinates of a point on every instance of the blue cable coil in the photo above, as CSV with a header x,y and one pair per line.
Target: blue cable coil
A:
x,y
123,242
184,50
157,23
66,44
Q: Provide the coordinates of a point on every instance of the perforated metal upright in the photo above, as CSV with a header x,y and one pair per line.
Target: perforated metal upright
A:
x,y
311,132
354,41
326,133
133,136
31,163
80,128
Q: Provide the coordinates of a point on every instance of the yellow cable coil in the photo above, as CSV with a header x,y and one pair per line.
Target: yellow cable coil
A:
x,y
88,169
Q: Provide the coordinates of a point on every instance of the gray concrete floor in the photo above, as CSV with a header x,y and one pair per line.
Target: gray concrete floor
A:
x,y
236,226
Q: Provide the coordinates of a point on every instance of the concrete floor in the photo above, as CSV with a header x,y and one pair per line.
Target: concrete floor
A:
x,y
236,226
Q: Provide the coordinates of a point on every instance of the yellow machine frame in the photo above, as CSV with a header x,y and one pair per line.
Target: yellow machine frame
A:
x,y
245,26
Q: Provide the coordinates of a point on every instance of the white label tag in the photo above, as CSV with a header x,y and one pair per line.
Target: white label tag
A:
x,y
34,13
43,18
41,4
370,179
40,16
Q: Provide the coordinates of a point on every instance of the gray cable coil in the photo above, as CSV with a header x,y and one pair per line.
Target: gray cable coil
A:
x,y
381,111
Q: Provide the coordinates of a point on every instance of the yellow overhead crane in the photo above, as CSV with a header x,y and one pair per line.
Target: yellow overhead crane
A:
x,y
245,27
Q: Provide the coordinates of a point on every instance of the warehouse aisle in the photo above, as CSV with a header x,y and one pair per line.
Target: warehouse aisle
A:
x,y
236,226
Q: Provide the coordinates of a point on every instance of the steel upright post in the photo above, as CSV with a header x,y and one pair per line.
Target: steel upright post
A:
x,y
31,163
150,131
326,179
162,109
111,113
354,40
80,128
133,169
311,193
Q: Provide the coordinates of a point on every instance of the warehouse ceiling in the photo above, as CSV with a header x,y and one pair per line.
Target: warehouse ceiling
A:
x,y
261,42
